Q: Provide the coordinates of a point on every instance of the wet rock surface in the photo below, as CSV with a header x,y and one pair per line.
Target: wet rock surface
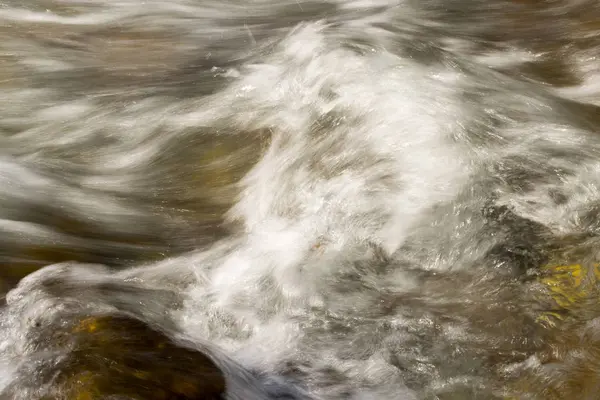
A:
x,y
114,357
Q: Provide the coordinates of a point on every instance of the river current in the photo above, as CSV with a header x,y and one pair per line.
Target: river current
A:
x,y
341,199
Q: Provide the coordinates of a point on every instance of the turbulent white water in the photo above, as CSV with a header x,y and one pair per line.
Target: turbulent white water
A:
x,y
405,167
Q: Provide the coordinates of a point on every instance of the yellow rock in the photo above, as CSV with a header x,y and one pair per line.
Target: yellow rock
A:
x,y
569,286
571,355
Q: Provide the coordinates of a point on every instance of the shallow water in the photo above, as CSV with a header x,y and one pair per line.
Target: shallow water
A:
x,y
343,199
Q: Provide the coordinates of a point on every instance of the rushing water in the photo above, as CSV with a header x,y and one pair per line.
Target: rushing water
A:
x,y
341,199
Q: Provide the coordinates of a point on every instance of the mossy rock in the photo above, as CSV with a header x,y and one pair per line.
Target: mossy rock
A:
x,y
116,356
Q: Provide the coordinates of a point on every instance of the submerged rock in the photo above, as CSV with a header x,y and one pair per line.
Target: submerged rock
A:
x,y
115,357
571,288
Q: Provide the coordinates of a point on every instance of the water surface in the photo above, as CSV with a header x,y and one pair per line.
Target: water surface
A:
x,y
342,199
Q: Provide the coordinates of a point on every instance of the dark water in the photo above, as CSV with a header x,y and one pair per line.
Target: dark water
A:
x,y
349,199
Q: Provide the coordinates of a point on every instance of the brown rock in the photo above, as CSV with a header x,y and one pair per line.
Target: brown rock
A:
x,y
116,356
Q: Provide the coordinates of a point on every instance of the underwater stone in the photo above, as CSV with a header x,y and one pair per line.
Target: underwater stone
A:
x,y
117,357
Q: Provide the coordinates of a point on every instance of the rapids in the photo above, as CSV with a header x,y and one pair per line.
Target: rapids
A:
x,y
340,199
